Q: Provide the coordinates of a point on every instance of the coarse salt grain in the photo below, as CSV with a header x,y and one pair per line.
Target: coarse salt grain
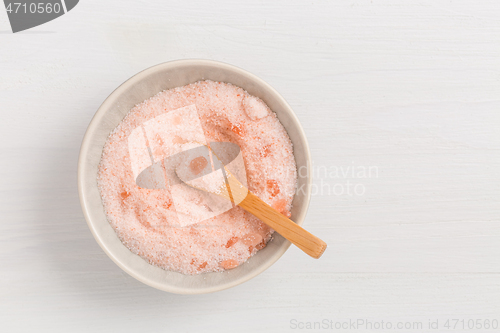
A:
x,y
255,108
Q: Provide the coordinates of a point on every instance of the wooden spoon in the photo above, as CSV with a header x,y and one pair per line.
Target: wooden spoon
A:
x,y
233,190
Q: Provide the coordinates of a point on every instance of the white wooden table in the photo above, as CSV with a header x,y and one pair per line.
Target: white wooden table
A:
x,y
408,90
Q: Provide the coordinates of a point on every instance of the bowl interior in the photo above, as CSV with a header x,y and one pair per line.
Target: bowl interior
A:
x,y
135,90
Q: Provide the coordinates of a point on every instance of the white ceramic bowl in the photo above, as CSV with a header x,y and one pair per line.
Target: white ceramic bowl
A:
x,y
135,90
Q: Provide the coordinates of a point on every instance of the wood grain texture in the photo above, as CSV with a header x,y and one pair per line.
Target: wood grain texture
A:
x,y
303,239
410,89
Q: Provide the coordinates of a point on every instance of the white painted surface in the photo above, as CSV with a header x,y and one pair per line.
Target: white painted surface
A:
x,y
409,88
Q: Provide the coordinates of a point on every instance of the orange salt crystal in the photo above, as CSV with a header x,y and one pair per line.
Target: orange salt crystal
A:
x,y
167,203
202,265
273,187
231,242
198,164
236,129
229,264
280,206
251,239
266,150
125,195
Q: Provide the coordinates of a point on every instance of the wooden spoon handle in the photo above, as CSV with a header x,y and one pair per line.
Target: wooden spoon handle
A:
x,y
303,239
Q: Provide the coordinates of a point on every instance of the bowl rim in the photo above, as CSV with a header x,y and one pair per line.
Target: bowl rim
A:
x,y
101,111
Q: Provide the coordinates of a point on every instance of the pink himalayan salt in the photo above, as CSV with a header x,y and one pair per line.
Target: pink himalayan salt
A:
x,y
146,220
273,187
229,264
252,239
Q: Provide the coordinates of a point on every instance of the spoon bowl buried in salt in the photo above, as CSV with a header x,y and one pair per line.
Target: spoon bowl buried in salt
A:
x,y
196,171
